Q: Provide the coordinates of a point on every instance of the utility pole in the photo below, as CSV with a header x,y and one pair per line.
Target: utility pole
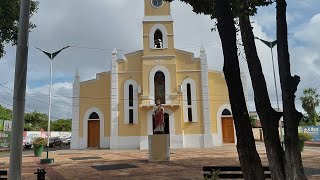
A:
x,y
19,92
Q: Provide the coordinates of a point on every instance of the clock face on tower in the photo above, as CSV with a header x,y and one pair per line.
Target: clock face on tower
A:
x,y
157,3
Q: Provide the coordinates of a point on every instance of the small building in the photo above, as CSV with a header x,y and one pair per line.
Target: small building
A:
x,y
115,110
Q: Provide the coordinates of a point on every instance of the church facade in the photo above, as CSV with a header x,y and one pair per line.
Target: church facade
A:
x,y
115,110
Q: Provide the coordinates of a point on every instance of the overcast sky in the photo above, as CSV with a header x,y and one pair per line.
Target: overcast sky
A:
x,y
94,27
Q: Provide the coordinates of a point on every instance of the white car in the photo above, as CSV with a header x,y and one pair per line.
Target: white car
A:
x,y
66,140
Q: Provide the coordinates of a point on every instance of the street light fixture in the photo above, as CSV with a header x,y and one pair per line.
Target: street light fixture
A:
x,y
51,56
271,44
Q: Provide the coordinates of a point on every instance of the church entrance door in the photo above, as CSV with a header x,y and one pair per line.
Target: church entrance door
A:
x,y
93,133
227,130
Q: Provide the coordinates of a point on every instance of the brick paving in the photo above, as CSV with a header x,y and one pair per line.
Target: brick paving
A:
x,y
185,164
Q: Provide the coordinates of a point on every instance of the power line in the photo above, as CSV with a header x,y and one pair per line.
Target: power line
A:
x,y
35,98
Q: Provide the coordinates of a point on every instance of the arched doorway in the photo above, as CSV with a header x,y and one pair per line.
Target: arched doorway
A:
x,y
227,127
166,124
94,130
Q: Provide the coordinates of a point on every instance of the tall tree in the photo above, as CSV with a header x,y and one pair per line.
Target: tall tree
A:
x,y
61,125
221,10
268,116
5,114
289,84
35,121
310,101
9,17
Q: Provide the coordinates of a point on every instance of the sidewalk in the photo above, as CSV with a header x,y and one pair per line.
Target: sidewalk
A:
x,y
132,164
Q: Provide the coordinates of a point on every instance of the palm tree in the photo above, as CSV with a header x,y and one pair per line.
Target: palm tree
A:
x,y
310,101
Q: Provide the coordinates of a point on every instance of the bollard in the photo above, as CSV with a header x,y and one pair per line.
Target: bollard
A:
x,y
41,174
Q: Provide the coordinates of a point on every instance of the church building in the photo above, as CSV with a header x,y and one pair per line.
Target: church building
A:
x,y
115,110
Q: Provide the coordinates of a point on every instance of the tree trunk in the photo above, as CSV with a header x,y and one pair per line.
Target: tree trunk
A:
x,y
268,116
293,164
248,156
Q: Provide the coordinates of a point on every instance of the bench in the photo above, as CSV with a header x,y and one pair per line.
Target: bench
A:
x,y
3,173
228,172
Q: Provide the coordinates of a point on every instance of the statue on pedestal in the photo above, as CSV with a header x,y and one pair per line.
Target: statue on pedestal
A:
x,y
158,113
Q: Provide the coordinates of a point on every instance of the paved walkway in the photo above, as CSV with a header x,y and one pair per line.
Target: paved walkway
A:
x,y
185,164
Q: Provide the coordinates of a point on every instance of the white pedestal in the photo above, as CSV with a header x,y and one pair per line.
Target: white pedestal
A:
x,y
159,149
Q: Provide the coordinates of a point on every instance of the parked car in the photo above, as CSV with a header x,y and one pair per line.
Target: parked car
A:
x,y
55,141
66,141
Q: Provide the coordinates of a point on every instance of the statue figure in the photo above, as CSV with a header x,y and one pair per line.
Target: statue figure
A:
x,y
158,113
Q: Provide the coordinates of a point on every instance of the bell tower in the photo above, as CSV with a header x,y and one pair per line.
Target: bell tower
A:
x,y
157,28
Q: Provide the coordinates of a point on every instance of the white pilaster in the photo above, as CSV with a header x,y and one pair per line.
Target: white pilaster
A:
x,y
207,137
114,100
75,143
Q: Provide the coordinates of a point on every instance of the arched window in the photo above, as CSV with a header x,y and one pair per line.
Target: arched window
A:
x,y
131,104
156,33
158,39
226,112
160,87
189,102
94,115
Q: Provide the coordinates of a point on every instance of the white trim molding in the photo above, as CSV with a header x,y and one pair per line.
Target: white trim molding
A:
x,y
193,140
157,19
114,105
193,100
164,36
207,123
85,127
75,143
125,142
126,101
167,83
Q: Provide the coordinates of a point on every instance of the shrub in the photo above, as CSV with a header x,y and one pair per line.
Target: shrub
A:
x,y
39,141
304,137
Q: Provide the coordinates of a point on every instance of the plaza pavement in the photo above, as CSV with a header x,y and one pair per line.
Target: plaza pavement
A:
x,y
185,164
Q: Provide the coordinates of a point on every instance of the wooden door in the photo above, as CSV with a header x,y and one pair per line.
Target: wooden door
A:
x,y
93,133
227,130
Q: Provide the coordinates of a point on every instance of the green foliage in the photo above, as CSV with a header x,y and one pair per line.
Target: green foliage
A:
x,y
214,175
253,120
310,101
304,137
35,121
39,141
61,125
304,121
239,7
5,114
9,17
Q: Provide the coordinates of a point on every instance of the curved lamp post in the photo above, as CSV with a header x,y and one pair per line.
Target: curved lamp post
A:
x,y
271,44
51,57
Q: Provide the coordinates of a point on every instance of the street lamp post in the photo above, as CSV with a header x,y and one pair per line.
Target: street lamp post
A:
x,y
271,44
51,56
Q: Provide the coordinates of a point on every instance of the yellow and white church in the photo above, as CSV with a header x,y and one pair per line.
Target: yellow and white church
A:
x,y
119,112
